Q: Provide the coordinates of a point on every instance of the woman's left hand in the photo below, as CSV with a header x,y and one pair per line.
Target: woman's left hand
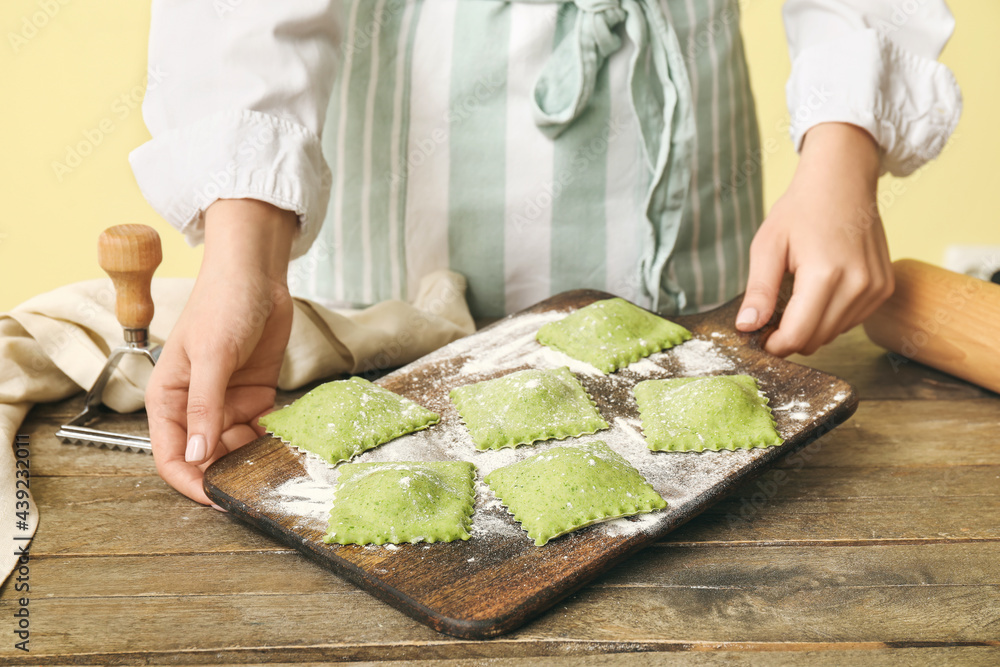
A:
x,y
825,230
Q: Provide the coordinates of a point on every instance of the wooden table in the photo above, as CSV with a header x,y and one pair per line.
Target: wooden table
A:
x,y
878,543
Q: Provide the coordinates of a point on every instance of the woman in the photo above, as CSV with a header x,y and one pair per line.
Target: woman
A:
x,y
532,146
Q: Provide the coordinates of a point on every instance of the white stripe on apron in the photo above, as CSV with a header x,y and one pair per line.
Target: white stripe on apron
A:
x,y
529,182
720,257
366,162
428,155
626,232
337,196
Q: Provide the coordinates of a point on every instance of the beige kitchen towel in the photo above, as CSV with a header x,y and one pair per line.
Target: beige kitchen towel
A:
x,y
56,344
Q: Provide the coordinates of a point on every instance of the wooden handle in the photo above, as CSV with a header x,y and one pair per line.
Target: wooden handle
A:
x,y
130,255
943,319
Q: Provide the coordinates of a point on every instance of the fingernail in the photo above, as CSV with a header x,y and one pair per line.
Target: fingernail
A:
x,y
214,506
747,316
196,449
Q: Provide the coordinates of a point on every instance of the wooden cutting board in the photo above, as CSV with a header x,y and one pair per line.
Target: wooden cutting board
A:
x,y
498,580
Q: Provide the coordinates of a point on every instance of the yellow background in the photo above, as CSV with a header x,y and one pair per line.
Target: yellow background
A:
x,y
85,68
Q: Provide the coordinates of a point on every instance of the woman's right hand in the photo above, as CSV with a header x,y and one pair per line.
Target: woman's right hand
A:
x,y
219,368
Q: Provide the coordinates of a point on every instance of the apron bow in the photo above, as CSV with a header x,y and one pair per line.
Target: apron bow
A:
x,y
567,81
660,99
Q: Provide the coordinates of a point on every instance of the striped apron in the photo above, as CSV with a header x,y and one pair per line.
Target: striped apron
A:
x,y
538,146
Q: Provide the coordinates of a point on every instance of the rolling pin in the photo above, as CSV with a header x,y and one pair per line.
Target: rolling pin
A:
x,y
943,319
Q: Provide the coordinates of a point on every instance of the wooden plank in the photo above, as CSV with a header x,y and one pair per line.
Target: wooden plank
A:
x,y
922,484
342,623
793,568
849,521
172,575
823,504
655,653
665,565
946,613
131,515
878,375
910,433
710,656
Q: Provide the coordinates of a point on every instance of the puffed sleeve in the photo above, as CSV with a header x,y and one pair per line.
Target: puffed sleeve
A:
x,y
873,63
237,94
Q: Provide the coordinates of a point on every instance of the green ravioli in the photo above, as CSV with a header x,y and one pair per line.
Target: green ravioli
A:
x,y
341,419
695,414
611,334
526,406
566,488
402,501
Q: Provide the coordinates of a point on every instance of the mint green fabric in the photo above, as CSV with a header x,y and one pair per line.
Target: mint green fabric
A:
x,y
611,334
566,488
402,501
526,406
705,413
340,419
